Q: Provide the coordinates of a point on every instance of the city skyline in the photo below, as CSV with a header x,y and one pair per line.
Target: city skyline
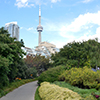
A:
x,y
63,20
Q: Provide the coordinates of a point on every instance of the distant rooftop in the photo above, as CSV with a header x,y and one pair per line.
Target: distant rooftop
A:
x,y
11,23
47,44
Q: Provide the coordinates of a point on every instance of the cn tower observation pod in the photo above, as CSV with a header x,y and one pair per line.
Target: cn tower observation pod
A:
x,y
39,28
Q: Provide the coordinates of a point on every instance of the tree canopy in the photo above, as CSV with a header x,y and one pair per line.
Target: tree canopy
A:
x,y
39,62
79,54
10,56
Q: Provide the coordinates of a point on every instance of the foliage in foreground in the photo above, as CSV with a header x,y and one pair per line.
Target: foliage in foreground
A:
x,y
49,91
12,64
82,77
51,74
13,85
11,55
37,96
85,93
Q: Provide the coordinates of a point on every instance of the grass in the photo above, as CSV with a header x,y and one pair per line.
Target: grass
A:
x,y
37,97
13,86
83,92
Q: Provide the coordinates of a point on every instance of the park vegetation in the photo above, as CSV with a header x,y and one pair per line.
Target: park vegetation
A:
x,y
74,65
82,77
13,65
14,85
79,54
11,56
49,91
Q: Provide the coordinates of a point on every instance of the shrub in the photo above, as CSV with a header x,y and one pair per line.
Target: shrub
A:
x,y
81,77
49,91
84,93
51,74
90,97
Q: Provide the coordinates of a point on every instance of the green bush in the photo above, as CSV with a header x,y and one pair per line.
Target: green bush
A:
x,y
84,93
81,77
51,74
90,97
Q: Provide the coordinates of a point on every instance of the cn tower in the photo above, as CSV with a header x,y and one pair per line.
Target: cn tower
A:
x,y
39,28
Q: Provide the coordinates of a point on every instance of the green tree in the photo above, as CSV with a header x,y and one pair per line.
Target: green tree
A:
x,y
10,49
72,54
39,62
4,63
31,69
22,69
79,54
93,48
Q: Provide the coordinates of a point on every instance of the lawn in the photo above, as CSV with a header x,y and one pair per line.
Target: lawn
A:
x,y
37,97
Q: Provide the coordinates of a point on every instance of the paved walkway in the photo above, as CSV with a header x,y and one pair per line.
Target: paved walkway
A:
x,y
24,92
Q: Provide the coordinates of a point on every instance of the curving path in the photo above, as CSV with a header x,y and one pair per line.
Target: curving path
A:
x,y
24,92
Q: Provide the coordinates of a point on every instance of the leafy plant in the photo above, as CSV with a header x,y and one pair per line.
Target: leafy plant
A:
x,y
85,93
79,54
52,74
81,77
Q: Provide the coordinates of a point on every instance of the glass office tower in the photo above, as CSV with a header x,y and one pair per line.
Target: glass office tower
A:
x,y
13,29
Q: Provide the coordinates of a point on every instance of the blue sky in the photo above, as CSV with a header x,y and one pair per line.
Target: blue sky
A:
x,y
63,20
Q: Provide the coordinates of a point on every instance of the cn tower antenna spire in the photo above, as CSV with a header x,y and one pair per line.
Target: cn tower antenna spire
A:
x,y
39,28
39,10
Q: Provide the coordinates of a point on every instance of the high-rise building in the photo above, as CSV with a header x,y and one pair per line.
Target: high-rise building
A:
x,y
39,28
13,29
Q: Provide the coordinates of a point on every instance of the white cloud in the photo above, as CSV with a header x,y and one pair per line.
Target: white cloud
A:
x,y
29,3
59,44
86,1
23,3
84,27
98,32
54,1
21,27
85,37
31,28
82,22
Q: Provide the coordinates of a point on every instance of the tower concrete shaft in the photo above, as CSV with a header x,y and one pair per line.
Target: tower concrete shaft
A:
x,y
39,28
39,38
